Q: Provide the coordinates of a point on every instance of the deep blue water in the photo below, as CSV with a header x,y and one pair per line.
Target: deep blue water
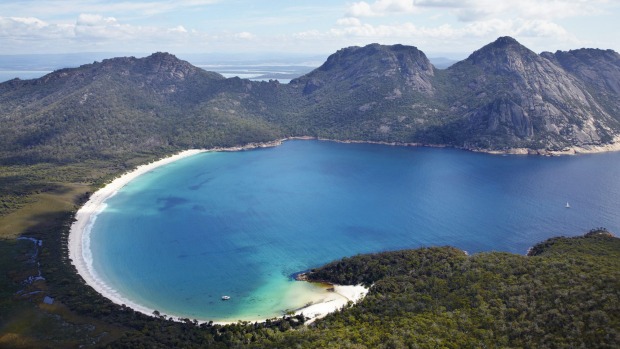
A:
x,y
239,223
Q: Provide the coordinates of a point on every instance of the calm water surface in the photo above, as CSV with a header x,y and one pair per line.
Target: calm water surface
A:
x,y
238,224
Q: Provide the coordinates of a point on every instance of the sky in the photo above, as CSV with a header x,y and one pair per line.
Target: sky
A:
x,y
450,28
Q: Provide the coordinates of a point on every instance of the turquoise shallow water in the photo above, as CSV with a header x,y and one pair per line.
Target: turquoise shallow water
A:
x,y
240,223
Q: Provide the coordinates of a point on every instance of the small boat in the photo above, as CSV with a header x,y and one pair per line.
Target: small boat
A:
x,y
225,298
567,205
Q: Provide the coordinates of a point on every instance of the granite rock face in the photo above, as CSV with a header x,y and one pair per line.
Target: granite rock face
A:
x,y
539,102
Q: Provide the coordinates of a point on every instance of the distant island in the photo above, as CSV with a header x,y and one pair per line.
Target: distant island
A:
x,y
68,133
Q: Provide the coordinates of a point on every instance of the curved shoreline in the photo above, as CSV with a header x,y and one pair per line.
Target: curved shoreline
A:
x,y
85,217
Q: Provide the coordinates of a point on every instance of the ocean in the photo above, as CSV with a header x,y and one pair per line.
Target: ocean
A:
x,y
241,223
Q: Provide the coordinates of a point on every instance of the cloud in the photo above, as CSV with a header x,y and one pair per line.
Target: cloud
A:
x,y
94,32
535,34
310,35
19,29
474,10
492,27
539,28
361,9
95,20
440,3
244,36
178,29
28,21
455,23
555,9
97,27
67,9
124,25
381,8
349,21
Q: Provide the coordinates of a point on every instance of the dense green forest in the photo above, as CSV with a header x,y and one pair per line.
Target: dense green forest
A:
x,y
565,294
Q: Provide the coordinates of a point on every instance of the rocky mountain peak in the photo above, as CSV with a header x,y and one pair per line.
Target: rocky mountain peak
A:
x,y
503,55
159,66
365,65
377,57
162,56
505,41
525,96
163,64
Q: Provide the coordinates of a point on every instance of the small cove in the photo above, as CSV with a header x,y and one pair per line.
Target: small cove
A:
x,y
240,223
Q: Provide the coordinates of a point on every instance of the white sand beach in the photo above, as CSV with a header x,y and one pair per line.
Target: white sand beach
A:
x,y
80,255
79,240
334,301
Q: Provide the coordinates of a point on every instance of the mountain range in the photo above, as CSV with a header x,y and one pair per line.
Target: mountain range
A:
x,y
503,97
